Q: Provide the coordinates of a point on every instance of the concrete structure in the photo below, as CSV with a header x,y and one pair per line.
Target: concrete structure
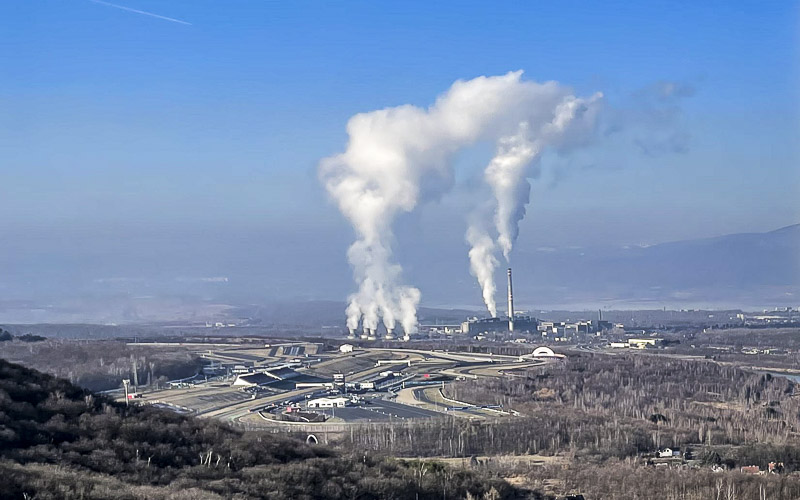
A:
x,y
545,352
253,380
314,385
264,377
345,348
510,303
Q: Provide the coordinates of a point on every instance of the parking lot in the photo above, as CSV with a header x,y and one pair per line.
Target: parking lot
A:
x,y
379,410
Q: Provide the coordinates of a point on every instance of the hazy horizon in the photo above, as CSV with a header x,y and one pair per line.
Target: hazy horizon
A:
x,y
174,157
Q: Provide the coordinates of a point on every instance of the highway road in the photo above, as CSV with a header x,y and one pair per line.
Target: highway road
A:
x,y
432,396
491,369
451,356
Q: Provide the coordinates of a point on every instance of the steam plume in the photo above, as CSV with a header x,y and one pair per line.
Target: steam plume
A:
x,y
392,153
482,263
564,125
506,174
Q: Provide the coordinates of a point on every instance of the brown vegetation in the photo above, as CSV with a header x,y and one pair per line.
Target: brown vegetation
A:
x,y
604,414
61,442
101,365
605,406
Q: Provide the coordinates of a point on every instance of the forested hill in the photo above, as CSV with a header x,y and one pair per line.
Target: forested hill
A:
x,y
58,441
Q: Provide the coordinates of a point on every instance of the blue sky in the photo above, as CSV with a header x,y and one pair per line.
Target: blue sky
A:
x,y
120,130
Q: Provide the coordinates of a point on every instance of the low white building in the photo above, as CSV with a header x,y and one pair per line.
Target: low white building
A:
x,y
339,402
345,348
543,351
668,453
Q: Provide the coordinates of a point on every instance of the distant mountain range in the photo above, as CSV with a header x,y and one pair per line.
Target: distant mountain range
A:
x,y
747,271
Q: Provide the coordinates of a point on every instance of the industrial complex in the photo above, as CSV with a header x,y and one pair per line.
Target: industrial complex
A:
x,y
514,322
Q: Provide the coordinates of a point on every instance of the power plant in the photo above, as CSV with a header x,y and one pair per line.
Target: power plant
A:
x,y
512,323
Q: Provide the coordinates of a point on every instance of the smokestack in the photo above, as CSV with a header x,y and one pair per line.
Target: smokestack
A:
x,y
389,335
510,303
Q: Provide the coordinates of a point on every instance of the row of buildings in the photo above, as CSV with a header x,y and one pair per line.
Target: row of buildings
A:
x,y
551,330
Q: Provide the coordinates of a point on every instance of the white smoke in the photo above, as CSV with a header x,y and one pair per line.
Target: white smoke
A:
x,y
507,176
565,124
482,263
409,300
392,152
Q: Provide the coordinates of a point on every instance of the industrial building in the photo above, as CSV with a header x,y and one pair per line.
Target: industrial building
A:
x,y
511,323
522,324
339,402
561,330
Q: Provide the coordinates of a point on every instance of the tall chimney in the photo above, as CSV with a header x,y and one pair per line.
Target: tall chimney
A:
x,y
510,303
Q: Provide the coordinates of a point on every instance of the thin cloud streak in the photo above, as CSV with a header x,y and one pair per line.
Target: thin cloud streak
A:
x,y
136,11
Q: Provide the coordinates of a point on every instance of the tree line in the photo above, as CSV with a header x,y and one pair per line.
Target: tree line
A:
x,y
101,365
